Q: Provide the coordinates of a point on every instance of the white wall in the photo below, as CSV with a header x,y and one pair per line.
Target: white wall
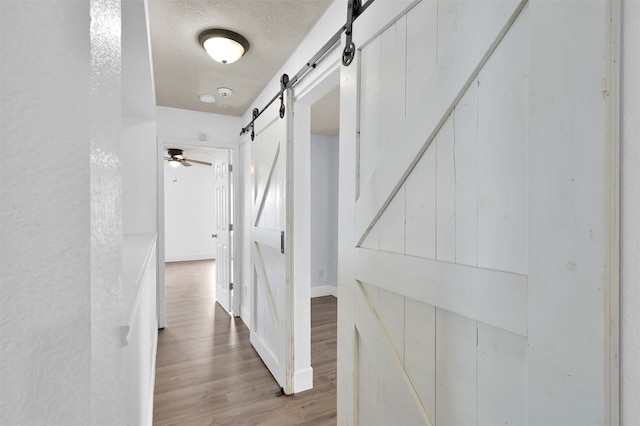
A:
x,y
630,219
138,295
324,215
45,268
61,214
139,169
187,125
189,212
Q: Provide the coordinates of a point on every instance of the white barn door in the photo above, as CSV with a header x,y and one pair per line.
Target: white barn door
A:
x,y
271,301
475,248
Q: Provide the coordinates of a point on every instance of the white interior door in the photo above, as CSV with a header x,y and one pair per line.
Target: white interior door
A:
x,y
223,221
464,211
271,301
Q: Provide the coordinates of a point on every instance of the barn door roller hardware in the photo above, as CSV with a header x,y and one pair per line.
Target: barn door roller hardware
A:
x,y
350,49
355,8
284,80
255,115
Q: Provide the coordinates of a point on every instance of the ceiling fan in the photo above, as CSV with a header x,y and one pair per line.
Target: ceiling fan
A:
x,y
176,158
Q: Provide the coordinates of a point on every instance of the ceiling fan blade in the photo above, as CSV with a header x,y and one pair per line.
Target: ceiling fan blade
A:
x,y
199,162
167,158
184,163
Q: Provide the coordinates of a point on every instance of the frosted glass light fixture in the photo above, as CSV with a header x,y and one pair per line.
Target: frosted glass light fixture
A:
x,y
223,46
174,163
207,99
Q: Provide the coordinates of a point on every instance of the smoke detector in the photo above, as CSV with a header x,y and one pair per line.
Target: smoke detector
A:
x,y
225,92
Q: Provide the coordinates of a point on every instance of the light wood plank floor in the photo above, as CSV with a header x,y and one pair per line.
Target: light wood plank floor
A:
x,y
209,374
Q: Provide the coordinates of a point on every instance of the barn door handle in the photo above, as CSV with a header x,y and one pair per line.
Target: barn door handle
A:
x,y
282,242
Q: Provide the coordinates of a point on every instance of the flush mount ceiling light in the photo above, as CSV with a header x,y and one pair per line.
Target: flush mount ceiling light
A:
x,y
223,46
207,99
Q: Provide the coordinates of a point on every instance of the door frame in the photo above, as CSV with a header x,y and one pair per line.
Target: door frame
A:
x,y
307,92
327,79
233,148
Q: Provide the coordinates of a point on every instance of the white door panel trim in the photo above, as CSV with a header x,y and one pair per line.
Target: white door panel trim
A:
x,y
464,290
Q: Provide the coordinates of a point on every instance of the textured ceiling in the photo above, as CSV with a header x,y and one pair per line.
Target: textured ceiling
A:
x,y
183,70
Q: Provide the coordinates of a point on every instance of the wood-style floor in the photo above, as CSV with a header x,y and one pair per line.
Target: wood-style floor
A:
x,y
209,374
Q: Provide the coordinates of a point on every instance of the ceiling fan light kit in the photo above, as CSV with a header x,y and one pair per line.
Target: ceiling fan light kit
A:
x,y
223,46
176,158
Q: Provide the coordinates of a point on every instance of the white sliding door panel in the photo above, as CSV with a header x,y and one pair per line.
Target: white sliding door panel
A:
x,y
436,174
271,301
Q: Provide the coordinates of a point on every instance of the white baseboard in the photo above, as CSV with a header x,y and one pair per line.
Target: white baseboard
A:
x,y
244,315
187,257
324,290
303,380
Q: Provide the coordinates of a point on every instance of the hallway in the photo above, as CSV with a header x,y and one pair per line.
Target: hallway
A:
x,y
208,373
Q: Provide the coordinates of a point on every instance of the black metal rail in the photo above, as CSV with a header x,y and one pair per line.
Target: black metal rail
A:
x,y
354,9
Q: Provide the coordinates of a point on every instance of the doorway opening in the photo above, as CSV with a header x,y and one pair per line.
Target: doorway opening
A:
x,y
325,117
198,212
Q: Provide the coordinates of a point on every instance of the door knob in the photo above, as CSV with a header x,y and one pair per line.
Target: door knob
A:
x,y
214,235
